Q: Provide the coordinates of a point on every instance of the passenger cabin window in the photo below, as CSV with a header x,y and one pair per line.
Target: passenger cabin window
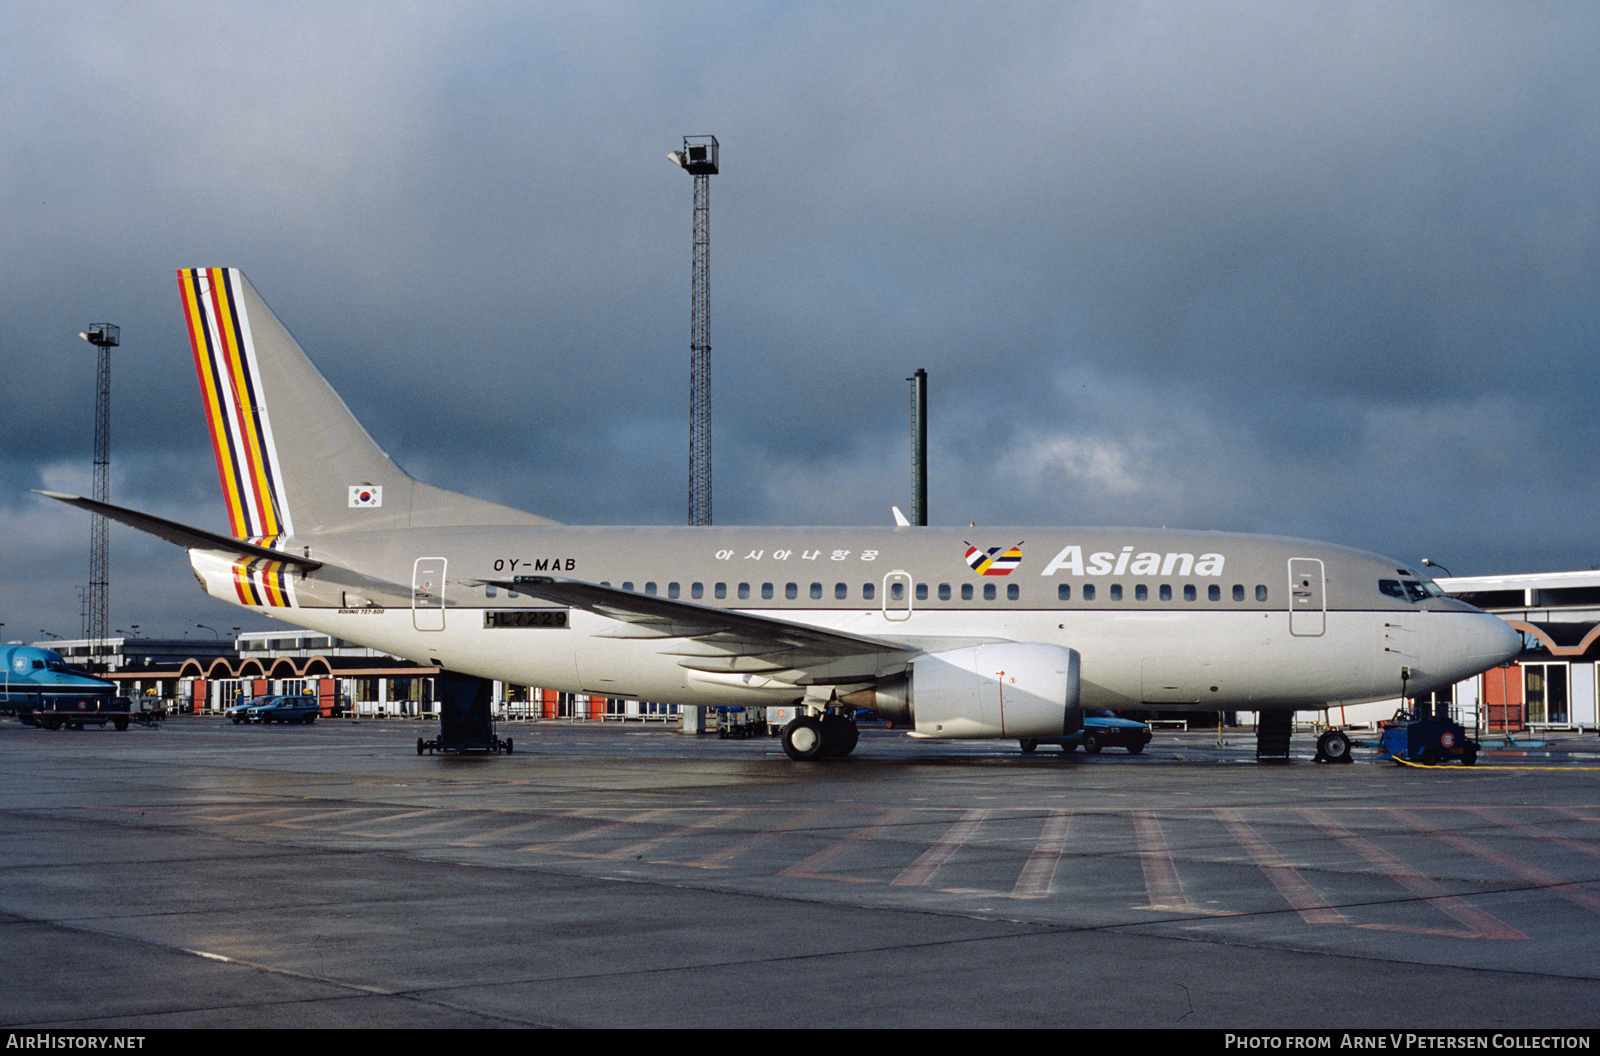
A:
x,y
720,591
744,591
1238,592
816,592
1141,593
1116,592
841,591
1088,592
672,590
1189,592
897,591
922,592
1064,592
944,592
766,592
1013,592
1213,593
791,591
988,592
966,592
1261,592
869,591
697,591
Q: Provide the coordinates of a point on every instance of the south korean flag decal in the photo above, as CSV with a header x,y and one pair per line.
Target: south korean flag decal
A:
x,y
366,495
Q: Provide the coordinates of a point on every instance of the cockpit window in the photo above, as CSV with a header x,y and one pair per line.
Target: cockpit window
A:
x,y
1409,589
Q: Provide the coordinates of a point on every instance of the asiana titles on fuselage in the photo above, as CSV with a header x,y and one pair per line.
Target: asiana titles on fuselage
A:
x,y
1125,562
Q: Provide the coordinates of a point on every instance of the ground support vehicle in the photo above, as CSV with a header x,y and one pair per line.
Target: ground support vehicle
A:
x,y
1427,738
737,723
465,721
77,710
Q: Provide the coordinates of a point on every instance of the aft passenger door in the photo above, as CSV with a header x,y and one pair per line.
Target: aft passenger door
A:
x,y
1307,598
427,594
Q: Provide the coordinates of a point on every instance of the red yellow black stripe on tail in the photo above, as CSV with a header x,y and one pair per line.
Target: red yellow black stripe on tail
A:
x,y
261,583
241,434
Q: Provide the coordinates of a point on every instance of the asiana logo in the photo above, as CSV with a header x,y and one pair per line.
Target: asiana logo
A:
x,y
991,562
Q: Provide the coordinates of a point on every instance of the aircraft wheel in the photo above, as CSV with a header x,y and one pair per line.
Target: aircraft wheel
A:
x,y
839,735
1333,747
1028,745
803,740
1091,743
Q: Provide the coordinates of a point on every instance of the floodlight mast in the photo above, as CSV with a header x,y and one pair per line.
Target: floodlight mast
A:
x,y
104,337
699,159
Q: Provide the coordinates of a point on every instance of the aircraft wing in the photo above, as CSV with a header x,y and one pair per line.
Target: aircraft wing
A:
x,y
182,534
722,640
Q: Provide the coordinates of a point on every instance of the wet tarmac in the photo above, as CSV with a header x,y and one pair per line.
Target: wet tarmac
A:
x,y
205,874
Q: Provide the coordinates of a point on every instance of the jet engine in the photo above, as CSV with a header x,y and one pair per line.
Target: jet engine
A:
x,y
1006,689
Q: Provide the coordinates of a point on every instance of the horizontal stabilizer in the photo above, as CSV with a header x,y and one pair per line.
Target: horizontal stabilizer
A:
x,y
185,536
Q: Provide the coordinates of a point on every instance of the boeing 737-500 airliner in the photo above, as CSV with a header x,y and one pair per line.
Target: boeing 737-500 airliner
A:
x,y
952,633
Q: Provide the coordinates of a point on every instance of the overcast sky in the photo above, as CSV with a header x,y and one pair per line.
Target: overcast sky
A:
x,y
1317,269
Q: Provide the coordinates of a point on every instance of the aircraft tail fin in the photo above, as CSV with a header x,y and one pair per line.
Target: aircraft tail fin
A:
x,y
291,457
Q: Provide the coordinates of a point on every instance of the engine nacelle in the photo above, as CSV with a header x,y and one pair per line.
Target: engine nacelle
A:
x,y
1007,689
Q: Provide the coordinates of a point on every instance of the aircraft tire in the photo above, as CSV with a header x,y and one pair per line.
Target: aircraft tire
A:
x,y
839,736
803,740
1333,747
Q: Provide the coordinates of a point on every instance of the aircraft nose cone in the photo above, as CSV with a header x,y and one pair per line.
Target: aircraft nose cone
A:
x,y
1490,642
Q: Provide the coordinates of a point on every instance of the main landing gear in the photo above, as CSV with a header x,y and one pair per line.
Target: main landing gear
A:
x,y
809,737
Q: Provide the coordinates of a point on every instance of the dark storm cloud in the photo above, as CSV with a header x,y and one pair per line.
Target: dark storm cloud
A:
x,y
1322,269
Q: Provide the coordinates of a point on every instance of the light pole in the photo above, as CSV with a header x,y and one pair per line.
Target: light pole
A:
x,y
104,337
699,159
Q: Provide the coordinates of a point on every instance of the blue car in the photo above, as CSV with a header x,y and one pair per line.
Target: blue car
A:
x,y
245,710
1101,729
288,709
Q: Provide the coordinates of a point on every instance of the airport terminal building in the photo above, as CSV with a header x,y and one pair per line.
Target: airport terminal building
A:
x,y
185,675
